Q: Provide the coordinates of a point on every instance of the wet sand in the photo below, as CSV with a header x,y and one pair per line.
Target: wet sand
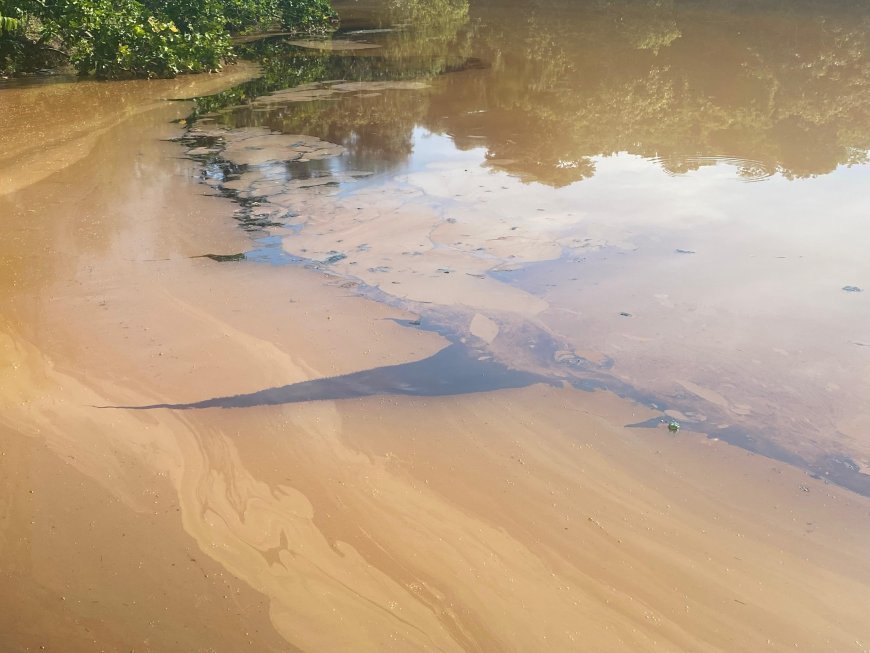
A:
x,y
516,520
35,142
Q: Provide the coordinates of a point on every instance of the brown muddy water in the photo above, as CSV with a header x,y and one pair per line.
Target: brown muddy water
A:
x,y
665,200
376,348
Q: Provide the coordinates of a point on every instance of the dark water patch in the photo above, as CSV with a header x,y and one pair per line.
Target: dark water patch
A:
x,y
455,370
223,258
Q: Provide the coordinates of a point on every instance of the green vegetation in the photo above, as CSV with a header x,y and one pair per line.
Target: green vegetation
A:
x,y
306,15
142,38
9,24
433,12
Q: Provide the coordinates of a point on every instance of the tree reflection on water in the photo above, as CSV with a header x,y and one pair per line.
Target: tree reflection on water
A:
x,y
547,86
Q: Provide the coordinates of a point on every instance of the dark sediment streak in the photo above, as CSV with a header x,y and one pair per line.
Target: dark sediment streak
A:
x,y
459,369
454,370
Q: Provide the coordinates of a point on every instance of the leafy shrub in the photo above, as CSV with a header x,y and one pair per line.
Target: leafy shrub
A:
x,y
10,18
242,15
9,24
307,15
111,39
151,38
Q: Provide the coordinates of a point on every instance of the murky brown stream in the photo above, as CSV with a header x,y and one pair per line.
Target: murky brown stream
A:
x,y
346,363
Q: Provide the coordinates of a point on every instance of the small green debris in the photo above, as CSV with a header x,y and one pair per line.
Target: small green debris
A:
x,y
673,426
